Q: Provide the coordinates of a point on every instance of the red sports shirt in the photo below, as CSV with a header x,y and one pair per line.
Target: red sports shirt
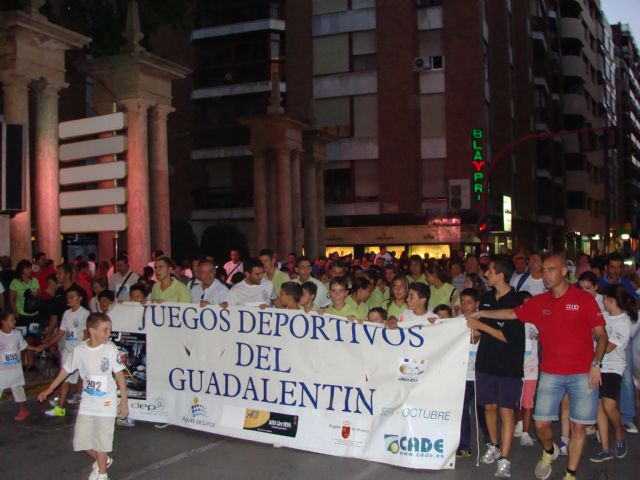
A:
x,y
565,325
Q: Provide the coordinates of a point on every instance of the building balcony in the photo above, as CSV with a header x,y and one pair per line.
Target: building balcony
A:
x,y
571,8
211,14
574,104
581,220
573,66
239,28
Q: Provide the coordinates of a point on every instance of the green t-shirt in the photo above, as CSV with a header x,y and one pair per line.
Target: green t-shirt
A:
x,y
20,287
443,295
377,298
362,310
394,310
421,279
345,311
279,277
176,292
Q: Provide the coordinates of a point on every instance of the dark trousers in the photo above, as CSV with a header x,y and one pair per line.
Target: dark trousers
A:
x,y
465,426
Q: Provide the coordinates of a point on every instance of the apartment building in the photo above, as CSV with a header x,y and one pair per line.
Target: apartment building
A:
x,y
628,111
583,103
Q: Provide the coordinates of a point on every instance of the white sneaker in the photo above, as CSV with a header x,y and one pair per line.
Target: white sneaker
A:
x,y
591,430
518,430
598,436
95,471
564,449
54,401
491,455
630,427
125,422
74,399
504,468
526,440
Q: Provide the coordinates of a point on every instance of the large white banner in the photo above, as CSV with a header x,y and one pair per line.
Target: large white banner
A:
x,y
311,382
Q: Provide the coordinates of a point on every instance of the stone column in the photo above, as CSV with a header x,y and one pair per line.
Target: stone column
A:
x,y
310,207
16,110
138,231
296,201
321,232
47,166
284,218
159,179
260,200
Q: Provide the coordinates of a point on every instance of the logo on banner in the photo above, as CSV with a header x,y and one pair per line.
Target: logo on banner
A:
x,y
348,434
198,414
155,407
410,370
197,410
414,446
271,422
346,430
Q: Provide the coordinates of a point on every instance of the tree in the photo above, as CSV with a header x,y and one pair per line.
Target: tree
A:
x,y
219,240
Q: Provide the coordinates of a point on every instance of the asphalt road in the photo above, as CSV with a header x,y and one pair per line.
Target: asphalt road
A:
x,y
40,448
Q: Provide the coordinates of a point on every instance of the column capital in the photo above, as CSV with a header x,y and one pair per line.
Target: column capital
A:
x,y
46,87
161,111
16,80
135,105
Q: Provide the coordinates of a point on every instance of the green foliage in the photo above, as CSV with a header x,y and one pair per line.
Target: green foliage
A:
x,y
219,240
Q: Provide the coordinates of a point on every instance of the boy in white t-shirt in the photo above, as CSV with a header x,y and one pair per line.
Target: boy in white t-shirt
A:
x,y
530,380
469,303
11,344
97,361
70,334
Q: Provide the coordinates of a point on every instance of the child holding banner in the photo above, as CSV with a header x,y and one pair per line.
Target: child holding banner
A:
x,y
469,303
338,291
290,294
308,297
97,361
417,301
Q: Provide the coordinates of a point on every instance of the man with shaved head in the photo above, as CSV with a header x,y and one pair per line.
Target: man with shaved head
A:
x,y
567,319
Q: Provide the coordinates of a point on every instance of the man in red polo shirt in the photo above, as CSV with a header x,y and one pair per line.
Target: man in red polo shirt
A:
x,y
567,319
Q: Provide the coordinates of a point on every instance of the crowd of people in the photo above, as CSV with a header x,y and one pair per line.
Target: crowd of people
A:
x,y
550,340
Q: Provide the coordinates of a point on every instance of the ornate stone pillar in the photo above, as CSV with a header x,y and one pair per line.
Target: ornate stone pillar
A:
x,y
138,231
321,232
47,165
159,179
260,201
16,110
296,201
310,206
284,218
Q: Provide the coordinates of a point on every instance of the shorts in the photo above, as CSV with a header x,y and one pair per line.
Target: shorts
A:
x,y
93,433
17,392
583,402
504,391
29,325
73,378
610,387
528,392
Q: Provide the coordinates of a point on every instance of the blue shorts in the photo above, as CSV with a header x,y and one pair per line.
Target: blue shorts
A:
x,y
583,401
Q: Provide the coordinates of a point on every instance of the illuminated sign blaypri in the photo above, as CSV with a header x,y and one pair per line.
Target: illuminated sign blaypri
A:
x,y
478,162
507,216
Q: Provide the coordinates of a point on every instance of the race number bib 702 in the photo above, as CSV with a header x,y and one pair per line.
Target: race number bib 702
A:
x,y
96,385
10,358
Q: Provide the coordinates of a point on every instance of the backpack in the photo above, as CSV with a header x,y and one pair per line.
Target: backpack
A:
x,y
31,302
